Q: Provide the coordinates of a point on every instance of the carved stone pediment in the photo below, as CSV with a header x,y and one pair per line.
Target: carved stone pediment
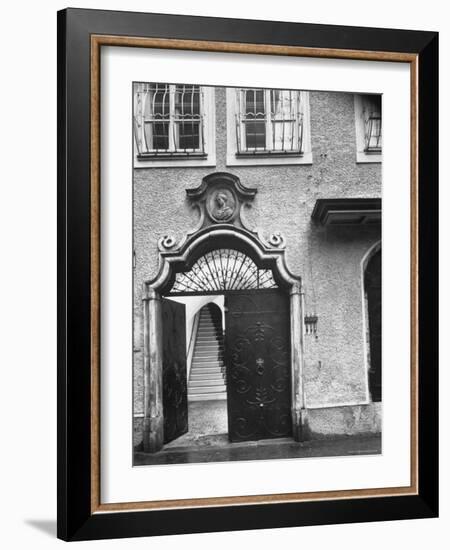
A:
x,y
220,199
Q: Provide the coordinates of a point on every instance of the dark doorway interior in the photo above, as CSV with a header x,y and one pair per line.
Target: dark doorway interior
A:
x,y
372,284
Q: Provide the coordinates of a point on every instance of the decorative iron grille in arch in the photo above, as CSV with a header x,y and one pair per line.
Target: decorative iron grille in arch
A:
x,y
223,269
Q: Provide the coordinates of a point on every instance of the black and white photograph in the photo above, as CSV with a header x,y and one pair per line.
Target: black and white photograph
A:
x,y
222,317
257,273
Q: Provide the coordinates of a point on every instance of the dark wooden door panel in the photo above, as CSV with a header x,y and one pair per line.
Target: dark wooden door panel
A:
x,y
372,282
175,404
258,365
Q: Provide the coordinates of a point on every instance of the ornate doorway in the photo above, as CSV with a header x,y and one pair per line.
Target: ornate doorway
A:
x,y
265,321
257,347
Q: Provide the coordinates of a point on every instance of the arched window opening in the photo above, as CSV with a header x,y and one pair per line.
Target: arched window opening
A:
x,y
222,270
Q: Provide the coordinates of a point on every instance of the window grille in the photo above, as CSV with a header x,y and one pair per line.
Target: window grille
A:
x,y
269,122
223,269
169,120
372,123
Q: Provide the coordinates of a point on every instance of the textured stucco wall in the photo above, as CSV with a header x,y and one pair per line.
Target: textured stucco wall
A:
x,y
341,421
328,259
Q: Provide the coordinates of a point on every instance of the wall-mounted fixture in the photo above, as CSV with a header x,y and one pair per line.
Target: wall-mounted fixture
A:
x,y
311,324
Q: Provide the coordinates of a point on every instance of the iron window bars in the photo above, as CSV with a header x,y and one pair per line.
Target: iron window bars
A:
x,y
169,120
269,122
372,123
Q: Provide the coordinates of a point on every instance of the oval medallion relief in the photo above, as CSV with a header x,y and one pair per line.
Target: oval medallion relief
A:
x,y
221,205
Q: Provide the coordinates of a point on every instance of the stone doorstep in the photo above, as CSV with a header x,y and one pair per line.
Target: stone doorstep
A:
x,y
199,383
211,376
202,370
208,346
206,389
205,442
204,378
199,374
194,397
201,364
221,440
206,368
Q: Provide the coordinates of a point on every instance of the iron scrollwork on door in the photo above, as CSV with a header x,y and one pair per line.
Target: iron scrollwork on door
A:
x,y
258,366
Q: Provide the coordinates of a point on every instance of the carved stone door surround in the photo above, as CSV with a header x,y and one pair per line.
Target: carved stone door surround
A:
x,y
220,199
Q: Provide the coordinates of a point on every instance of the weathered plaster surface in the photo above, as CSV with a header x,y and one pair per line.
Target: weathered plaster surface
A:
x,y
341,421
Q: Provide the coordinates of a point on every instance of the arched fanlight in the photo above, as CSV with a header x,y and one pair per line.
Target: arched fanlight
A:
x,y
223,269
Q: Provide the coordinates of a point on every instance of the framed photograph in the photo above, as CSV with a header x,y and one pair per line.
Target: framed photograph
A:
x,y
247,274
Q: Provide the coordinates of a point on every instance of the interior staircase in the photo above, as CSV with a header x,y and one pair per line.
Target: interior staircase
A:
x,y
207,380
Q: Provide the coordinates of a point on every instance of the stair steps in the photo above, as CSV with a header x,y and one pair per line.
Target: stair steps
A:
x,y
207,379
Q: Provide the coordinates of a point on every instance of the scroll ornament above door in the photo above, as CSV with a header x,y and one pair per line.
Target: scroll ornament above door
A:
x,y
221,199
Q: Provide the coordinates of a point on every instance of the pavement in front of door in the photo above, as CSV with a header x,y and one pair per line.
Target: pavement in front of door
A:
x,y
208,420
207,441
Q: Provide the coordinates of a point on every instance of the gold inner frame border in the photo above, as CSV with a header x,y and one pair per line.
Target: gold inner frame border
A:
x,y
97,41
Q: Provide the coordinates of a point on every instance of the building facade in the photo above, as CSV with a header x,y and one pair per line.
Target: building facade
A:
x,y
284,186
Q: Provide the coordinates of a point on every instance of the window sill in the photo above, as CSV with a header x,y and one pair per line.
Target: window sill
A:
x,y
170,156
265,158
179,160
363,157
268,154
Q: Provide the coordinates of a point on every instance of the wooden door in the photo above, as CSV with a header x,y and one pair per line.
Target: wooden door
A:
x,y
257,358
372,281
175,404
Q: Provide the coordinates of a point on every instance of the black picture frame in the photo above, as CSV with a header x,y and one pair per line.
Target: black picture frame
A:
x,y
76,519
